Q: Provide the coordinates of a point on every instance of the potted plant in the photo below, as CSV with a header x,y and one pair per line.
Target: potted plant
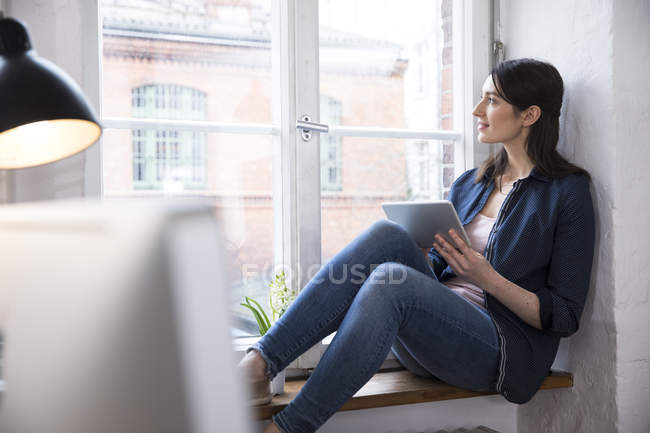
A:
x,y
280,297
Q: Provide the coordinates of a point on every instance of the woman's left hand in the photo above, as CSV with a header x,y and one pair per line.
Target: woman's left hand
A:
x,y
468,264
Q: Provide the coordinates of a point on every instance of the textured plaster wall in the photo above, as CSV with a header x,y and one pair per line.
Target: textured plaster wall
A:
x,y
632,212
601,50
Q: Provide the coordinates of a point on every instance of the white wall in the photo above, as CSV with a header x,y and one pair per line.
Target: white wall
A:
x,y
493,411
632,212
601,50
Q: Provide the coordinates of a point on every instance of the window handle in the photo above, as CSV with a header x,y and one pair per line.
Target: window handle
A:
x,y
306,126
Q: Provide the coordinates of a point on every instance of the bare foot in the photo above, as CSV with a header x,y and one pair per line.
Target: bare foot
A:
x,y
254,366
272,428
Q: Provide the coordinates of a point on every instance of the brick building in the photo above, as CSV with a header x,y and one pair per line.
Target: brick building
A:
x,y
210,60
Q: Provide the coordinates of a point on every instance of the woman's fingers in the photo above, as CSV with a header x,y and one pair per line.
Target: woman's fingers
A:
x,y
445,245
445,248
448,253
460,242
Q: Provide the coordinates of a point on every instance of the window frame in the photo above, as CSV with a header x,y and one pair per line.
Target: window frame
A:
x,y
295,38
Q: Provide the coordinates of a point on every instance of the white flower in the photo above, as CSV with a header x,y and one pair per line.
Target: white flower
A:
x,y
280,295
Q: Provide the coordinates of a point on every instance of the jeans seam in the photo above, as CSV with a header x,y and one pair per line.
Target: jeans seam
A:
x,y
454,323
365,370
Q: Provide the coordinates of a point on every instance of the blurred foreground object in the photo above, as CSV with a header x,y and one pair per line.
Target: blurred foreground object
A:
x,y
115,318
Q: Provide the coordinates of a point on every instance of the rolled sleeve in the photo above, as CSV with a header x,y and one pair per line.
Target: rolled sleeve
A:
x,y
562,300
545,308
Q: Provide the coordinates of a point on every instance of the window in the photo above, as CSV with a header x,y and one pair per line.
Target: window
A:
x,y
187,90
421,170
201,98
384,68
168,157
330,146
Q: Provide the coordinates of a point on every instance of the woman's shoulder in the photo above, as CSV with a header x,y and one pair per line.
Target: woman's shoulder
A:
x,y
462,182
572,183
572,192
464,187
467,176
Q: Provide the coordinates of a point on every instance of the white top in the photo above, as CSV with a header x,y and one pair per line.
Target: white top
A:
x,y
478,231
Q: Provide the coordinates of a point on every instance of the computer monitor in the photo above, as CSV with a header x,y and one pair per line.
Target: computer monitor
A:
x,y
114,317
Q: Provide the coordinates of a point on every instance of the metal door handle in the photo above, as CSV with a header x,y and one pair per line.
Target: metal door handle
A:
x,y
306,127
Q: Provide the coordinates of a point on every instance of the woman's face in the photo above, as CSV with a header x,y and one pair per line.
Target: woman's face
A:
x,y
497,120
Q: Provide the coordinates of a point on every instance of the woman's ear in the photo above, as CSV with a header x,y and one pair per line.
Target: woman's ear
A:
x,y
530,115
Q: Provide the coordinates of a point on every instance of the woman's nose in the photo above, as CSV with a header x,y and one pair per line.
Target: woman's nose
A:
x,y
478,110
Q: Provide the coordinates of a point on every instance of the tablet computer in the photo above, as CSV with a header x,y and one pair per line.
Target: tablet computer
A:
x,y
424,219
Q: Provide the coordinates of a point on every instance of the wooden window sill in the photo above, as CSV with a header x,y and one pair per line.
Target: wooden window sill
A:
x,y
392,388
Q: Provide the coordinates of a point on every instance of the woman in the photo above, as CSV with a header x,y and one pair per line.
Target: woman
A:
x,y
484,319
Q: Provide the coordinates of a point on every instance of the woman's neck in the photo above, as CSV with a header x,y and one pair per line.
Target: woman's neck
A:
x,y
519,164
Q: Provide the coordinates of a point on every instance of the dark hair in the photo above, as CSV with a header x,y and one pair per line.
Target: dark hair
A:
x,y
522,83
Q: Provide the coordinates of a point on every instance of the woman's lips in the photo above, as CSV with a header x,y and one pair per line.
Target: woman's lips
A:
x,y
482,126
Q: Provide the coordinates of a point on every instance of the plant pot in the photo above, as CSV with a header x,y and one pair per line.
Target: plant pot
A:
x,y
277,384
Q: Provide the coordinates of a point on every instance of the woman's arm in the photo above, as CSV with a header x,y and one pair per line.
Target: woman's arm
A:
x,y
562,298
520,301
560,302
472,266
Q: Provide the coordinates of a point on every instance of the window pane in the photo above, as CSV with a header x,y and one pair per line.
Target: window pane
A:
x,y
387,62
237,179
210,60
374,171
330,146
195,60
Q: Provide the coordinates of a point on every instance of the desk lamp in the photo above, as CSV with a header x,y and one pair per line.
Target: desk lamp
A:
x,y
44,116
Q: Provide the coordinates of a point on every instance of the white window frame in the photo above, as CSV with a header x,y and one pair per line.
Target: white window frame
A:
x,y
472,24
295,47
91,54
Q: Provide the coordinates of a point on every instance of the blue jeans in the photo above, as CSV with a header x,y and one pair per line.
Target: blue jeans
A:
x,y
379,293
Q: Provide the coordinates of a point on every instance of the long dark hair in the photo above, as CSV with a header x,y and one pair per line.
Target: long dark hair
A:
x,y
522,83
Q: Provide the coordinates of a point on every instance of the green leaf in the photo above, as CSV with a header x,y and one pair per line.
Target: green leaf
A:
x,y
260,322
271,305
263,317
268,322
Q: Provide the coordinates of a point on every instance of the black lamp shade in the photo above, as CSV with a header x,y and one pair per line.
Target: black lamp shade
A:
x,y
44,115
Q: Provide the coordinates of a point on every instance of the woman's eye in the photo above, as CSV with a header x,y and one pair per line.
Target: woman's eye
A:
x,y
491,100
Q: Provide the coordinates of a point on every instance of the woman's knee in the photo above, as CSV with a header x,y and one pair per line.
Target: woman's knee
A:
x,y
389,274
385,229
381,293
384,281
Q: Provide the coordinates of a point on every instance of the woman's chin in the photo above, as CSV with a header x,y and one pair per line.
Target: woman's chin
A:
x,y
487,140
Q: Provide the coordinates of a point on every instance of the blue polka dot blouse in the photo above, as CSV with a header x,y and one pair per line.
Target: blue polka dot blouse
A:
x,y
543,241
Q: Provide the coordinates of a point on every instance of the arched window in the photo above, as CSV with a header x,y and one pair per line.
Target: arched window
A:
x,y
168,156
